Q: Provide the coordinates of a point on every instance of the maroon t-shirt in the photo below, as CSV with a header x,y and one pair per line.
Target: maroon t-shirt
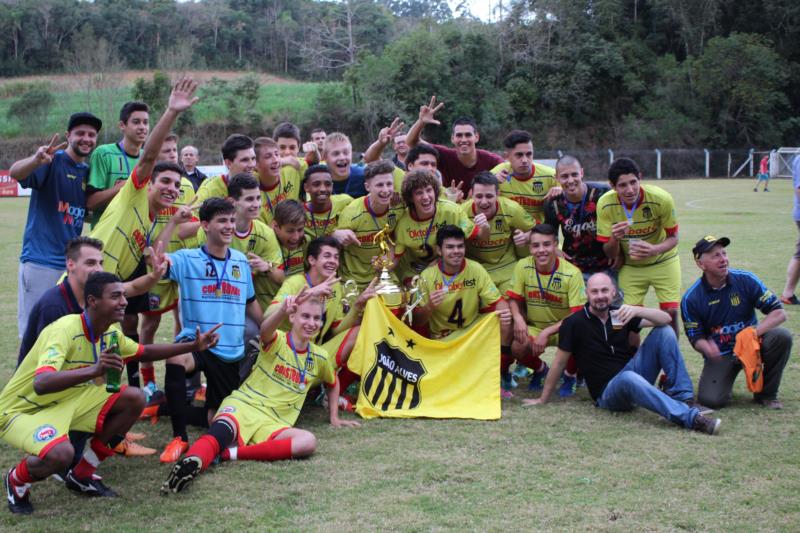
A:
x,y
452,169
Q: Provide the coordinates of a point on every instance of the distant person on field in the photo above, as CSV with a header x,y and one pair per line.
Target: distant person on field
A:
x,y
189,158
793,270
460,164
719,315
57,174
313,148
620,377
111,164
763,174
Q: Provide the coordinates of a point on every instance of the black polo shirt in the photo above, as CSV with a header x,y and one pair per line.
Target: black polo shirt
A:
x,y
600,350
56,302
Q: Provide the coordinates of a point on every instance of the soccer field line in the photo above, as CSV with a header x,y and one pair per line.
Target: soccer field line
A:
x,y
697,204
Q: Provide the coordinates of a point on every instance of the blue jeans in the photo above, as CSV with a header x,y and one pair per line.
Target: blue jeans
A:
x,y
634,384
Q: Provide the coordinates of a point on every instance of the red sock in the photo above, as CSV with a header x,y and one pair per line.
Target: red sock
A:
x,y
346,377
148,375
20,476
206,448
533,362
91,459
272,450
572,366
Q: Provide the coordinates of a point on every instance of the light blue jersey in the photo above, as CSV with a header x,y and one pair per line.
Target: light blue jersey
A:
x,y
213,291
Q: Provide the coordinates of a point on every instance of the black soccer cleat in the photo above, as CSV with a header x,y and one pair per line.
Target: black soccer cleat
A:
x,y
182,474
17,504
88,487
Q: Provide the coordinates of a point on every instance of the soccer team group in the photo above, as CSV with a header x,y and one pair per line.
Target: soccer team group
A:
x,y
268,269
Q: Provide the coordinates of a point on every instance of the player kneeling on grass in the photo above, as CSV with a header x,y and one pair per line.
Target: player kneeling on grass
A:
x,y
257,418
59,387
457,291
620,377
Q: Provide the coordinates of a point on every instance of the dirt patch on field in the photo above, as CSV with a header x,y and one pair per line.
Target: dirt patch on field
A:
x,y
69,81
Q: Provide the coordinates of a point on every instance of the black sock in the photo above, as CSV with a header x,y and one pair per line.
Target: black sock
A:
x,y
222,431
175,392
197,416
133,366
115,440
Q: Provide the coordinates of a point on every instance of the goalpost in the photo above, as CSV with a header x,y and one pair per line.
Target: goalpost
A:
x,y
780,161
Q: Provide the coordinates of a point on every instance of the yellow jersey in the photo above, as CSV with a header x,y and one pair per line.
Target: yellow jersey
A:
x,y
653,220
529,192
548,296
325,222
335,306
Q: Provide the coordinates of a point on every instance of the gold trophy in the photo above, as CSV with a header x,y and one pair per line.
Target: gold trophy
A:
x,y
394,297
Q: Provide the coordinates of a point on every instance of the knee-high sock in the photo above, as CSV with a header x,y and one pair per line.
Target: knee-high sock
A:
x,y
175,392
92,458
148,375
272,450
572,366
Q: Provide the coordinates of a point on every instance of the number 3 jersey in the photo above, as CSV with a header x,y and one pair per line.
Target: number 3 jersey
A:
x,y
469,292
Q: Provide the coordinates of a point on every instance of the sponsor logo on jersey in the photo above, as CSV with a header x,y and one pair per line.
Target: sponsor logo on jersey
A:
x,y
526,201
394,380
72,215
228,409
226,289
45,433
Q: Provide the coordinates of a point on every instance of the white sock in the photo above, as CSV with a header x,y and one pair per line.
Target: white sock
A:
x,y
233,451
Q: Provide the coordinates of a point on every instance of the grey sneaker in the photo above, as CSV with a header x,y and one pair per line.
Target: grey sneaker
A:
x,y
705,411
774,403
706,425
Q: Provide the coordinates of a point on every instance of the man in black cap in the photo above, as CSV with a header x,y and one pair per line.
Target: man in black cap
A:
x,y
57,174
718,310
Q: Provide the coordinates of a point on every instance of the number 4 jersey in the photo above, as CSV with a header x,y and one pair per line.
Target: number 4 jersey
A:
x,y
469,293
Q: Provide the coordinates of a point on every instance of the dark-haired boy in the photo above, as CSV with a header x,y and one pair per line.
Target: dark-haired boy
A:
x,y
520,179
324,207
111,164
61,387
508,226
129,223
545,289
638,225
239,156
216,285
460,164
277,182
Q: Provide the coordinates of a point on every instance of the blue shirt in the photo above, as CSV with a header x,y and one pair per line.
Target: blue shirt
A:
x,y
353,185
719,314
796,181
56,210
199,275
55,302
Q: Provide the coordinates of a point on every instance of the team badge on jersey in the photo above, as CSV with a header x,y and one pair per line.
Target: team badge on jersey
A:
x,y
393,381
557,283
498,224
735,300
236,272
211,272
45,433
647,213
538,187
251,244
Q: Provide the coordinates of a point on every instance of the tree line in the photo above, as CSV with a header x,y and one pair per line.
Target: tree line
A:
x,y
576,73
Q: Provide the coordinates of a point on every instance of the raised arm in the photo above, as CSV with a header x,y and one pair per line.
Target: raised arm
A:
x,y
427,115
385,136
44,155
181,99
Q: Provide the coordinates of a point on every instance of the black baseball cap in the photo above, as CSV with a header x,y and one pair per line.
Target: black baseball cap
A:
x,y
78,119
707,243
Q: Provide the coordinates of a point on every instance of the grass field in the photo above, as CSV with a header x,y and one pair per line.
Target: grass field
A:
x,y
277,97
563,466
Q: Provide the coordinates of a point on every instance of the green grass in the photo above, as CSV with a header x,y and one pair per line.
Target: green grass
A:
x,y
285,99
563,466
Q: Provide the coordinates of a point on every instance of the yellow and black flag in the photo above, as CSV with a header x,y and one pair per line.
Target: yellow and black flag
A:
x,y
405,375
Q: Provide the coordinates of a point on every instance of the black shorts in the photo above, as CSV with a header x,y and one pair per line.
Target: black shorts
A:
x,y
141,303
222,377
